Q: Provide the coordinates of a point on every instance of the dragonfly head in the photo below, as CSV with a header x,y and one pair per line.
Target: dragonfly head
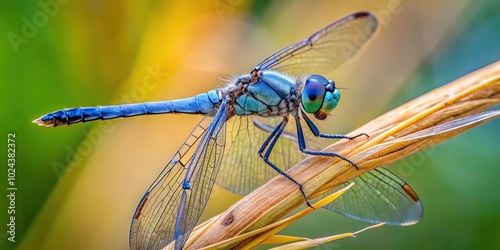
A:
x,y
319,96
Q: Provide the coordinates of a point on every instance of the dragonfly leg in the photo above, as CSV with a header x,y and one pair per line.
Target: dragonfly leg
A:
x,y
302,142
316,132
269,144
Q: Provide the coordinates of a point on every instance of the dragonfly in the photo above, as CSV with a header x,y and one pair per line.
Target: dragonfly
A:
x,y
244,131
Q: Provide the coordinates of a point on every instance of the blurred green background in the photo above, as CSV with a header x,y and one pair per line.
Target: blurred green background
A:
x,y
78,186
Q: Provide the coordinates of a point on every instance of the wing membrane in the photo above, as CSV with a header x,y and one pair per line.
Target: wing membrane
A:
x,y
169,210
242,169
326,49
379,196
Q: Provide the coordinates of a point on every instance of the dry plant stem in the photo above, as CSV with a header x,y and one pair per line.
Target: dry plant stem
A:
x,y
465,96
264,233
305,244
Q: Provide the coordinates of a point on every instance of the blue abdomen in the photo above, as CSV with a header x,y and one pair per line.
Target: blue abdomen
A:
x,y
199,104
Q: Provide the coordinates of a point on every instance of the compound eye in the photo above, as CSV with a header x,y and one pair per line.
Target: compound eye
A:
x,y
313,95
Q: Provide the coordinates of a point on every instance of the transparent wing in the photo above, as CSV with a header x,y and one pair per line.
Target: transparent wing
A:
x,y
326,49
379,196
169,210
243,170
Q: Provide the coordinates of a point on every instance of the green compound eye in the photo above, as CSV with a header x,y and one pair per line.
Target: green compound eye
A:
x,y
313,95
331,101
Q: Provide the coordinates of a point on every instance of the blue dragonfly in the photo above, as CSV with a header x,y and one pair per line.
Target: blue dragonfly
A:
x,y
243,123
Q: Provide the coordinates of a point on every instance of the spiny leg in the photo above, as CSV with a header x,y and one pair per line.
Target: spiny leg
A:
x,y
314,129
271,141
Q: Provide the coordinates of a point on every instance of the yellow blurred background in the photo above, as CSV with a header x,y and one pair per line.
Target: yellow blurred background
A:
x,y
78,186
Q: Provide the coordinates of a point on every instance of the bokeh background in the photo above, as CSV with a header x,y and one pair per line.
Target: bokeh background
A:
x,y
78,186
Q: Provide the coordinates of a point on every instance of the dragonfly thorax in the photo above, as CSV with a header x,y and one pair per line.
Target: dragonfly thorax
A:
x,y
266,93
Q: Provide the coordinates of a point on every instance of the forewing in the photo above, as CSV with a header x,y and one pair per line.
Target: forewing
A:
x,y
326,49
167,211
379,196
